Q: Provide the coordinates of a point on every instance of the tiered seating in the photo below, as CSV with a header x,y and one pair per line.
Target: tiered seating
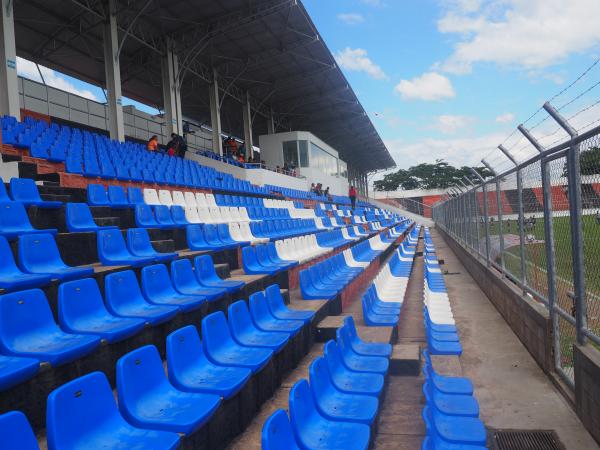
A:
x,y
442,336
337,406
382,301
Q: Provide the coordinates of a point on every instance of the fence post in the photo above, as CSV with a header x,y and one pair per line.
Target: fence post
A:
x,y
575,211
485,216
549,238
499,209
521,216
458,209
475,212
466,215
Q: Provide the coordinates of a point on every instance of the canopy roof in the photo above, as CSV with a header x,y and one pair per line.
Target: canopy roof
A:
x,y
269,49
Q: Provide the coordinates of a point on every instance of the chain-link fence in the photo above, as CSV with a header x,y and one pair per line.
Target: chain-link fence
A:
x,y
537,221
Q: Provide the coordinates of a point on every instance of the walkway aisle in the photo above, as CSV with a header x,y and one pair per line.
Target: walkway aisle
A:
x,y
400,424
512,390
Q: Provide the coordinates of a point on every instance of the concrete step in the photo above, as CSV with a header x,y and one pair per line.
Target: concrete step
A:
x,y
405,360
164,246
107,221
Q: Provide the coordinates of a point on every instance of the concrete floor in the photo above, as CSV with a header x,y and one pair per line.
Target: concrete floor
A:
x,y
512,390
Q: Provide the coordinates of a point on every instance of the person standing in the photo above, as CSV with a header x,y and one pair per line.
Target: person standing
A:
x,y
352,195
152,144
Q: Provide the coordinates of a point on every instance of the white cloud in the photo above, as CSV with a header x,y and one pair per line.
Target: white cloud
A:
x,y
456,151
357,59
450,124
52,78
505,118
351,18
531,34
429,87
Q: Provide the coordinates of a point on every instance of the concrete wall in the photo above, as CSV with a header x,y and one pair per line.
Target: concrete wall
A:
x,y
529,320
587,387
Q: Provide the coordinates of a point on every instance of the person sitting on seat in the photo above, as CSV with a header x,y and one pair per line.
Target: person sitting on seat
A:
x,y
152,144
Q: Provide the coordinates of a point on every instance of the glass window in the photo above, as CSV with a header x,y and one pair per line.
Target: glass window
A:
x,y
290,153
303,147
343,168
320,159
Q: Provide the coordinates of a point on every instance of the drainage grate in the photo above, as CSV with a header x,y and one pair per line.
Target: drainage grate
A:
x,y
526,440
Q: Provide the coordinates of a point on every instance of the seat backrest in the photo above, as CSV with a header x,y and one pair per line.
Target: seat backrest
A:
x,y
8,267
122,288
38,250
135,195
182,273
138,241
205,267
178,199
165,198
96,195
78,215
16,432
163,214
190,199
320,378
239,318
201,200
78,299
258,307
144,215
215,332
22,313
24,189
184,350
156,281
151,197
110,243
13,215
116,195
277,433
76,409
302,406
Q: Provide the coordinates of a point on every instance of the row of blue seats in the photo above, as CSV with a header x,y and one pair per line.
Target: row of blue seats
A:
x,y
337,406
236,200
114,196
25,191
264,260
154,410
451,412
281,229
28,329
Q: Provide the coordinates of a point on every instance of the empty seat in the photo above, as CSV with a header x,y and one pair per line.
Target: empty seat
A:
x,y
112,250
207,275
165,198
138,243
185,281
144,217
190,369
278,308
356,362
163,217
245,332
265,321
178,215
117,197
148,400
135,195
16,432
151,197
364,348
79,219
15,370
83,414
314,431
124,298
158,288
27,328
81,310
97,196
277,433
178,199
222,349
14,221
11,277
38,254
337,405
25,190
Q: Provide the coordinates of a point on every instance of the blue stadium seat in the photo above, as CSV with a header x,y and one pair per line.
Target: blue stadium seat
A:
x,y
277,433
450,404
278,308
185,281
25,190
361,347
38,254
445,384
79,219
97,196
83,414
222,349
163,217
144,217
245,333
124,298
11,277
190,370
81,310
451,432
359,363
3,193
16,432
336,405
264,320
14,221
348,381
27,328
112,250
138,243
196,240
251,264
15,370
117,197
148,400
178,215
272,252
225,237
314,431
207,275
211,236
135,195
158,288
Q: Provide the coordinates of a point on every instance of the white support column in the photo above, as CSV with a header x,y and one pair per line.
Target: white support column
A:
x,y
271,123
112,70
215,115
9,83
247,113
171,92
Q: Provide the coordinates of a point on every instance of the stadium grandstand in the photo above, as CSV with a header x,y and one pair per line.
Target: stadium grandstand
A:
x,y
205,278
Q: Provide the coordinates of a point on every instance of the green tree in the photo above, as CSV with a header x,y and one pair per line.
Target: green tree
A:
x,y
589,162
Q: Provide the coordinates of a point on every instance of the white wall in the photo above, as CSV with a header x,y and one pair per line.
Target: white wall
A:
x,y
407,194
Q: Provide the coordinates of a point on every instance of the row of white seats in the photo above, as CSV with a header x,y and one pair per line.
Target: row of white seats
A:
x,y
301,249
227,214
438,303
183,199
241,232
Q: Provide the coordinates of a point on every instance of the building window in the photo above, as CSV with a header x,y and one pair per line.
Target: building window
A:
x,y
320,159
342,168
290,153
303,147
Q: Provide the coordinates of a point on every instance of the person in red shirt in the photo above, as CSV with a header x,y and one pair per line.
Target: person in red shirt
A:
x,y
352,195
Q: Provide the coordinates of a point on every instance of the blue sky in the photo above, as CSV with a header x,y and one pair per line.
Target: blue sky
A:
x,y
450,79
